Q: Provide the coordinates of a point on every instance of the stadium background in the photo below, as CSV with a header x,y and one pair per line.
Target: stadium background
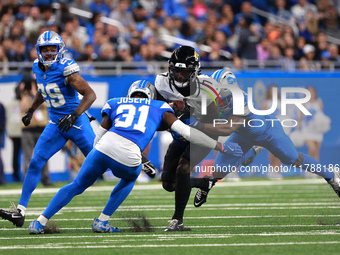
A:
x,y
111,73
326,84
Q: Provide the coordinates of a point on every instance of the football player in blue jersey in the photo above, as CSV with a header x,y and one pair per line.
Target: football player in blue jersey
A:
x,y
59,83
127,127
270,135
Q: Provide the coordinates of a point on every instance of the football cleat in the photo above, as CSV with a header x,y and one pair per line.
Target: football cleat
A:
x,y
248,161
175,225
36,228
13,215
335,182
99,226
202,194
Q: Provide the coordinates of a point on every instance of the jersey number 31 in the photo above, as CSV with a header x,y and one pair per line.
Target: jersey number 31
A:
x,y
130,117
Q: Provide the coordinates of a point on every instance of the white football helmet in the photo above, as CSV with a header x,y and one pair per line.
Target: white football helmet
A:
x,y
143,86
50,38
225,76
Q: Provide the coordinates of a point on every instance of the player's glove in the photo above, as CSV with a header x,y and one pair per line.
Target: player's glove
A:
x,y
148,167
26,119
232,149
67,122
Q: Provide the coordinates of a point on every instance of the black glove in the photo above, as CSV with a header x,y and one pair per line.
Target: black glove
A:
x,y
26,119
148,167
67,122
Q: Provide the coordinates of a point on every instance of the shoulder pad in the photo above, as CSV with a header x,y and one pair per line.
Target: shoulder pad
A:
x,y
70,66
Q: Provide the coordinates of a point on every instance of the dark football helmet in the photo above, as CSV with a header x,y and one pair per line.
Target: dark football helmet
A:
x,y
184,66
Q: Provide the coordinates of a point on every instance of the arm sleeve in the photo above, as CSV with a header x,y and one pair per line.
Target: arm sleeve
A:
x,y
193,135
100,132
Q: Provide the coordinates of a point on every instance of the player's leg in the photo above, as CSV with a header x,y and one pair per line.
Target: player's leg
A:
x,y
191,156
48,144
93,166
45,175
283,148
128,177
170,164
223,165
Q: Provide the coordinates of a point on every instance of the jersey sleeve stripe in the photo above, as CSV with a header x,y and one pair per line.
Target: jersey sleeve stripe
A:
x,y
71,69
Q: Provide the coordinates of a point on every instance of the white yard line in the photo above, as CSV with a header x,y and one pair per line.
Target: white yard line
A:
x,y
202,217
205,206
159,186
215,226
76,246
183,235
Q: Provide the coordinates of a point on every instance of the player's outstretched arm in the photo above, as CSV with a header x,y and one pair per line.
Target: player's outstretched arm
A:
x,y
191,134
82,87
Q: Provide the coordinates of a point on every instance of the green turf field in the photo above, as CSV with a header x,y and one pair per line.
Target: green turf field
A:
x,y
294,216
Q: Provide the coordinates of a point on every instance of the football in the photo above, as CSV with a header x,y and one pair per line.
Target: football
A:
x,y
178,106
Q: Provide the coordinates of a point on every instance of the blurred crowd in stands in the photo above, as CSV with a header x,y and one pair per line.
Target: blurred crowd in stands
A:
x,y
280,34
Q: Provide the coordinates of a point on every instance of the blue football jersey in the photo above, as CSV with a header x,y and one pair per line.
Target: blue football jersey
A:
x,y
136,119
60,98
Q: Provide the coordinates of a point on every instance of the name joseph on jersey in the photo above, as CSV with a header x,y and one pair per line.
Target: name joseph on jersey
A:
x,y
127,100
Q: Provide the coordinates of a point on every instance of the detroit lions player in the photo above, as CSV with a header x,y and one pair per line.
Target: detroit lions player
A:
x,y
270,136
58,82
127,127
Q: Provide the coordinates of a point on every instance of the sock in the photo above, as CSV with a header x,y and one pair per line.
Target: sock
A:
x,y
198,183
182,194
22,209
312,165
103,217
43,220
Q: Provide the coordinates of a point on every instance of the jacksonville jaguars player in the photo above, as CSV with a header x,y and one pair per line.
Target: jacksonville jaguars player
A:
x,y
270,136
127,127
59,83
181,83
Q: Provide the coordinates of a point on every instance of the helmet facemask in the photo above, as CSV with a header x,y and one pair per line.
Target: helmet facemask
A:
x,y
182,76
49,57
